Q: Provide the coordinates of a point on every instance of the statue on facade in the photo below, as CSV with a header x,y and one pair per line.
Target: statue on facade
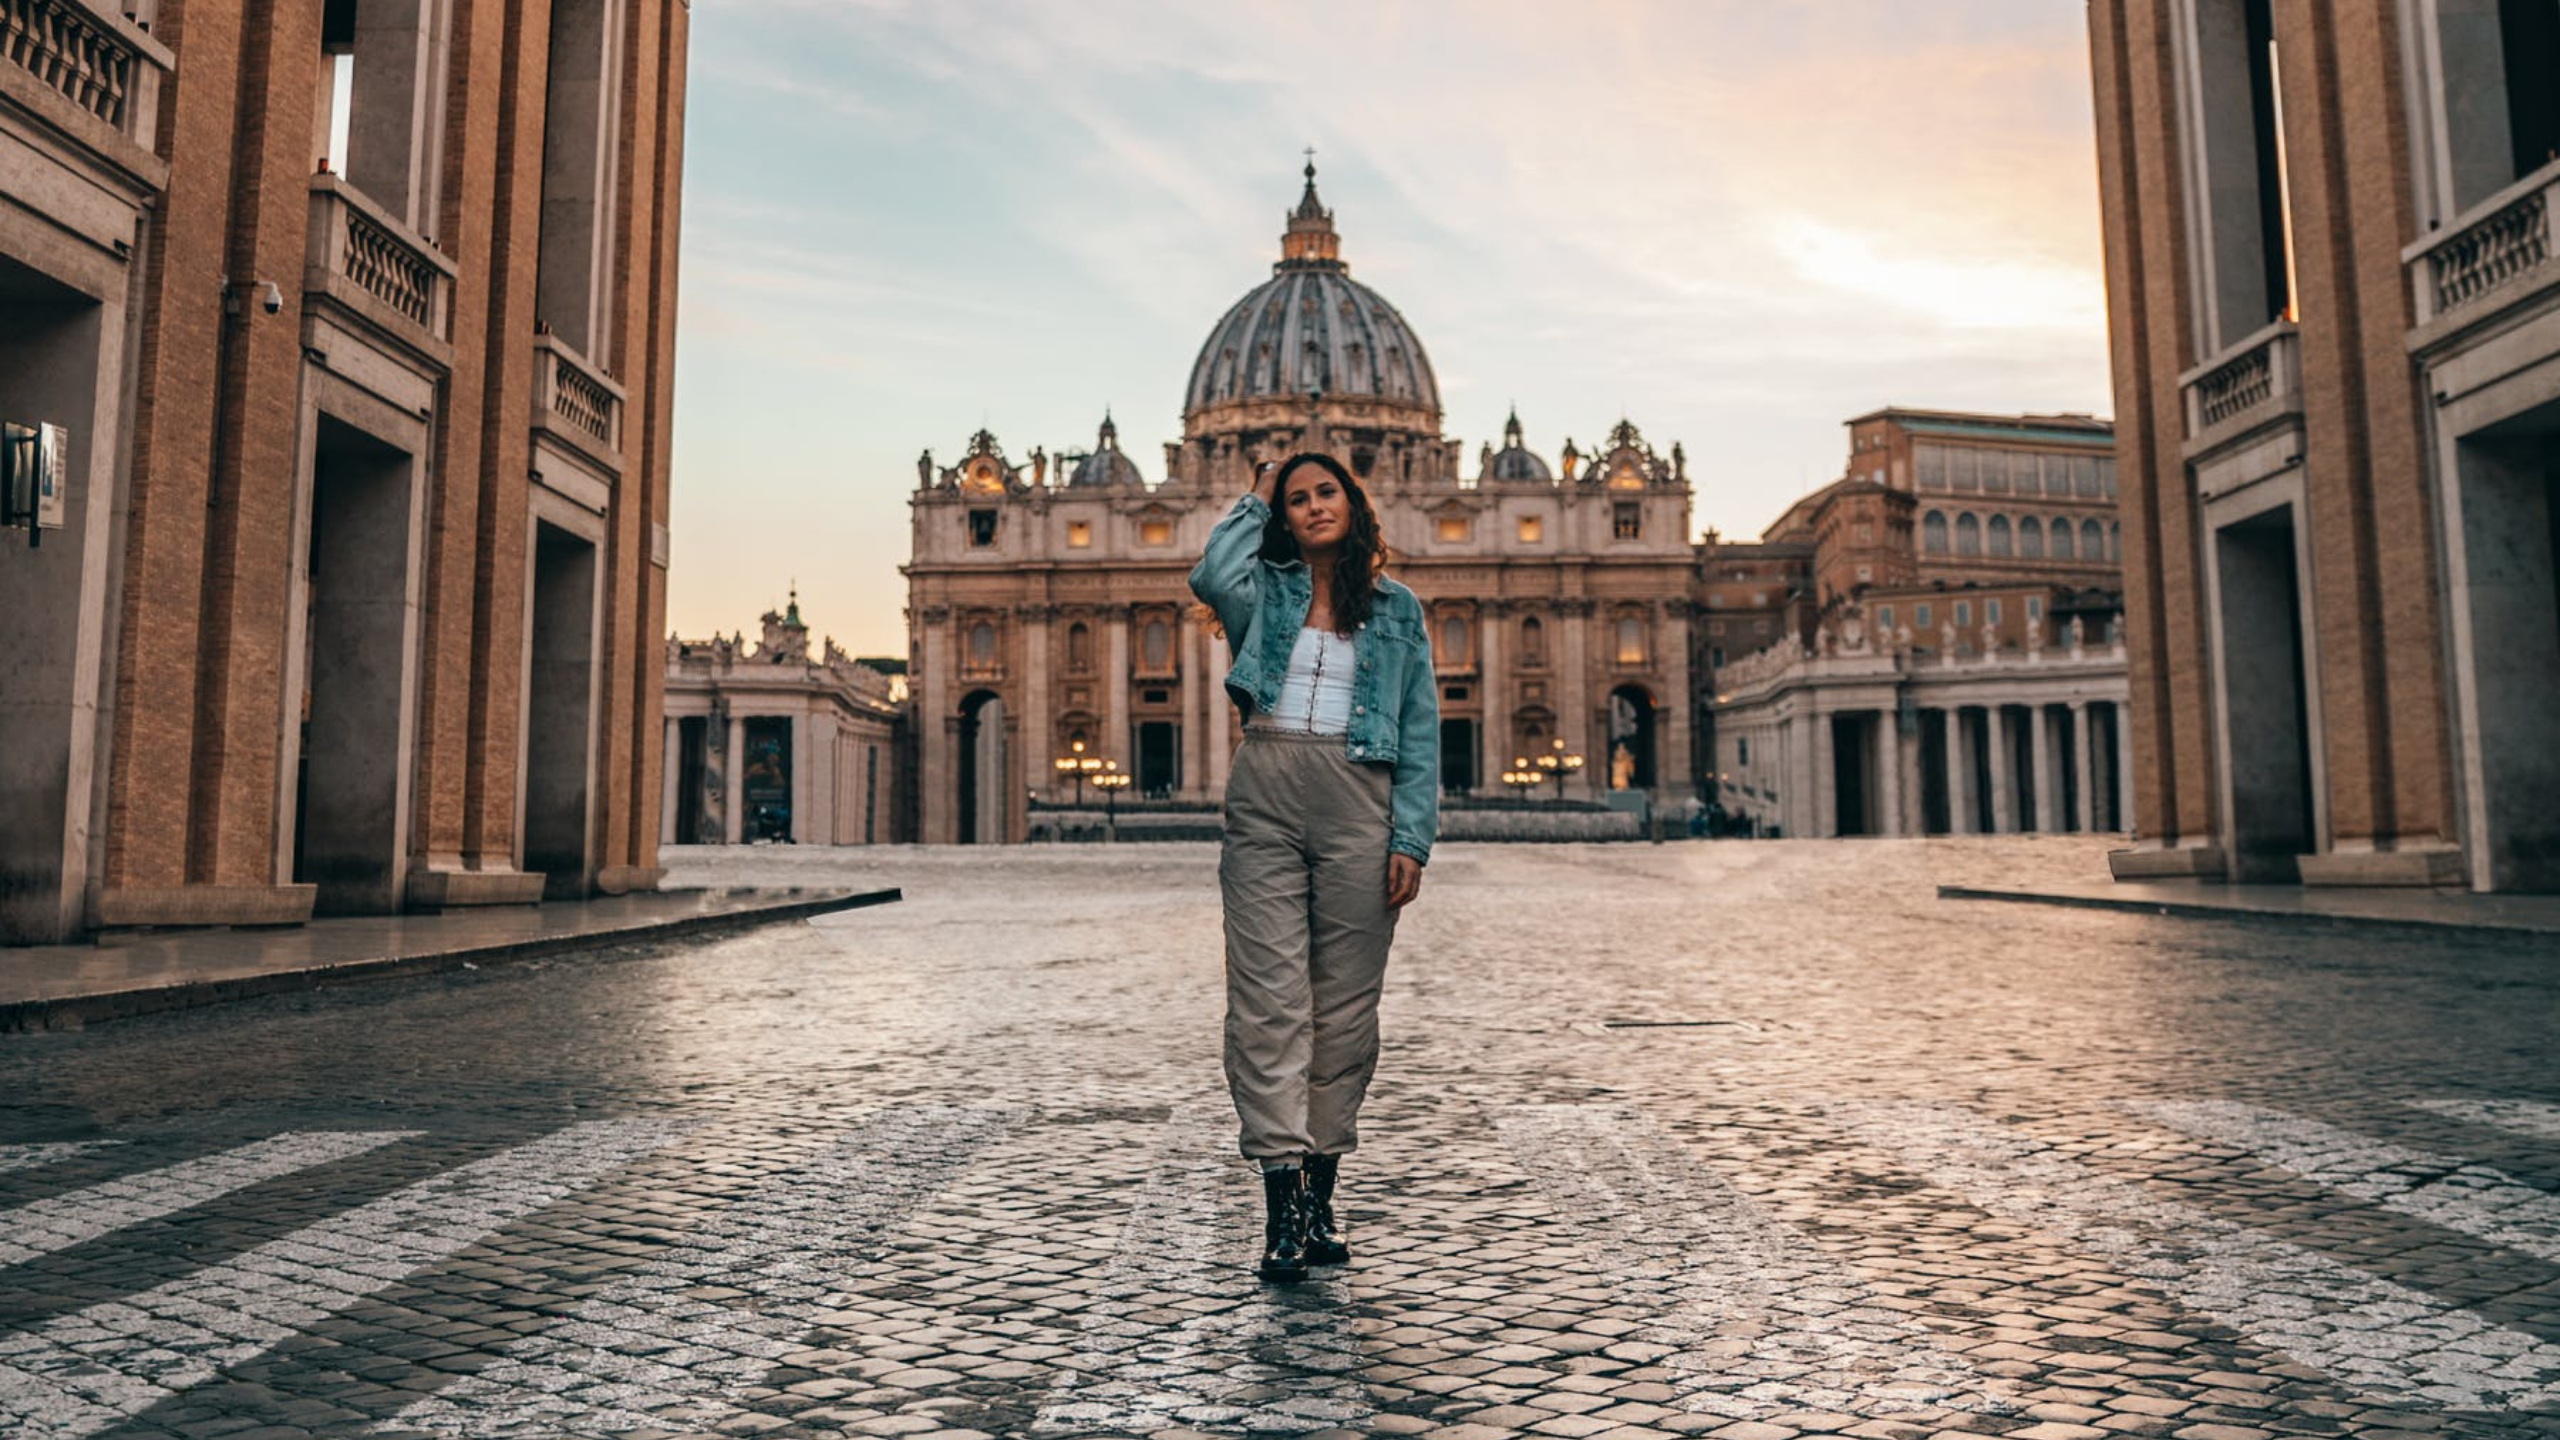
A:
x,y
2035,636
924,471
1484,459
2071,634
1679,462
1039,467
1990,638
1829,640
1572,459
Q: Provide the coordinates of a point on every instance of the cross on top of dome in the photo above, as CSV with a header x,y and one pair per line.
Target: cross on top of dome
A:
x,y
1310,240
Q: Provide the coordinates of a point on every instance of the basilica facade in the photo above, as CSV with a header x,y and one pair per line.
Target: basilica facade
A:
x,y
1574,619
1049,617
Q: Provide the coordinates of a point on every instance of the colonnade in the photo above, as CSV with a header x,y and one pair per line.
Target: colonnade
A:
x,y
1885,768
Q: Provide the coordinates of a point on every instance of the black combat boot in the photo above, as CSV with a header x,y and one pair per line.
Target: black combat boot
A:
x,y
1324,1243
1284,1244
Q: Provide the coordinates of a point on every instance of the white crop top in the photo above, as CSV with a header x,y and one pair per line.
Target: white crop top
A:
x,y
1315,696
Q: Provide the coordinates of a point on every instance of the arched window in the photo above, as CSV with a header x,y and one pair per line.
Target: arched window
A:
x,y
1933,533
1630,640
2031,538
1155,646
1453,641
2062,540
2093,541
1968,535
1079,647
1998,540
1533,643
982,644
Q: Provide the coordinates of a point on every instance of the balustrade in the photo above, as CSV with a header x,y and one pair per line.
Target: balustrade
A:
x,y
355,249
574,399
2504,241
2261,376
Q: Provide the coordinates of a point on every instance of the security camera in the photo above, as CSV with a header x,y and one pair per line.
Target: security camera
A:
x,y
270,299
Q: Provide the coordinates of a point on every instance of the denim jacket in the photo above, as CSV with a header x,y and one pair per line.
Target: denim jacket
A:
x,y
1395,696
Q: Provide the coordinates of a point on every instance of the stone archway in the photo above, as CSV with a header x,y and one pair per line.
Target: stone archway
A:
x,y
1631,762
981,807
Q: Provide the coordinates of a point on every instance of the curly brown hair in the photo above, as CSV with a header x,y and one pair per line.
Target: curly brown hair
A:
x,y
1363,555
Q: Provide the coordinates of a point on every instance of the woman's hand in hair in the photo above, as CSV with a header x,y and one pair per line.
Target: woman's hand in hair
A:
x,y
1404,879
1266,482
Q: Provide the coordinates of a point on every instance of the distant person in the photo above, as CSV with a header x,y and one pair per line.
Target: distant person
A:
x,y
1330,814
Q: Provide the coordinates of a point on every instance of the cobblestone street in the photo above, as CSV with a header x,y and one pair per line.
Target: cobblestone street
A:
x,y
1751,1140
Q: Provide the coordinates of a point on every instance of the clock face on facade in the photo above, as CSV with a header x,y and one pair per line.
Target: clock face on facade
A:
x,y
983,478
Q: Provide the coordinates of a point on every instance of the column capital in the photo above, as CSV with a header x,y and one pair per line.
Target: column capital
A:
x,y
934,614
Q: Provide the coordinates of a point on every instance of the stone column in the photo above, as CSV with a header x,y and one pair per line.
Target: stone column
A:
x,y
1960,791
1038,744
1187,653
1114,696
1218,718
804,775
2124,768
1574,697
671,766
1675,767
2048,806
937,774
1493,743
1888,748
2084,767
734,812
1826,803
2004,769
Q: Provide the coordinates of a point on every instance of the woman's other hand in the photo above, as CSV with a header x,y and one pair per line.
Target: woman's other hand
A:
x,y
1266,482
1404,879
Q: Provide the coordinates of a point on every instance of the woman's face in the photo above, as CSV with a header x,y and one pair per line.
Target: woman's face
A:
x,y
1316,510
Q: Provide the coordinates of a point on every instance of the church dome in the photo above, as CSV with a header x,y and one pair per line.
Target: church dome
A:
x,y
1311,327
1515,461
1106,465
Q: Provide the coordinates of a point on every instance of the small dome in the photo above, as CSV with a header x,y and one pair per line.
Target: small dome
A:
x,y
1516,461
1106,465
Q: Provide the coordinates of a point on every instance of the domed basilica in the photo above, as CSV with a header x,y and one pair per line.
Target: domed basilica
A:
x,y
1048,608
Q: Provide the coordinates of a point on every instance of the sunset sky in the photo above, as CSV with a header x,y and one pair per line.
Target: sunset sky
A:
x,y
1738,224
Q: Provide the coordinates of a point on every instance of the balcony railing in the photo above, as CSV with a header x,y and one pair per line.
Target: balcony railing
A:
x,y
357,250
2502,243
89,55
2261,376
573,399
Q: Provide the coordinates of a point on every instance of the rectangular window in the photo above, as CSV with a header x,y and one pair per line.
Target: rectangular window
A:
x,y
1742,751
1715,657
1884,618
982,527
1920,617
1929,466
1964,613
1453,528
1991,611
2035,607
1079,534
1530,529
1155,532
1628,523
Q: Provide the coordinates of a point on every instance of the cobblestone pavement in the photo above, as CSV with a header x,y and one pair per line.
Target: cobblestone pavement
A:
x,y
1749,1140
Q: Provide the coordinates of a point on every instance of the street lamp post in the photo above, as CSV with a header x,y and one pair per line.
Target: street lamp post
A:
x,y
1080,765
1521,777
1557,764
1111,782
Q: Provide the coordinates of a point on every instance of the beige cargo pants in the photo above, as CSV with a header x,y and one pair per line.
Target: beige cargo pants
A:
x,y
1303,870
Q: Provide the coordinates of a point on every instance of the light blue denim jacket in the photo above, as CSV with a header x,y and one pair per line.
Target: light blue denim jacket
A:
x,y
1395,697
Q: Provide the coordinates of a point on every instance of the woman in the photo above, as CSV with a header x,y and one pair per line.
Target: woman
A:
x,y
1331,811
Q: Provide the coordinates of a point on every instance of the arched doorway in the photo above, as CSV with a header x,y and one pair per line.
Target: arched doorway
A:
x,y
1631,738
982,783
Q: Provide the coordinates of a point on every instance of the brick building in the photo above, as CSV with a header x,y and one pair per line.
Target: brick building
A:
x,y
2334,310
342,333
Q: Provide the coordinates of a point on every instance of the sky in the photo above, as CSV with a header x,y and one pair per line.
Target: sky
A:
x,y
1737,223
